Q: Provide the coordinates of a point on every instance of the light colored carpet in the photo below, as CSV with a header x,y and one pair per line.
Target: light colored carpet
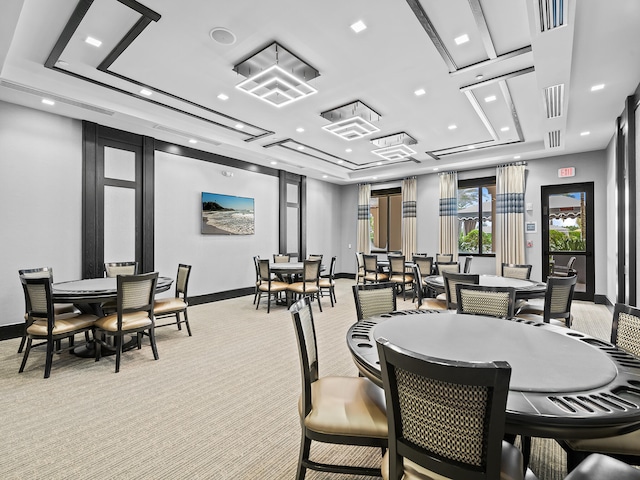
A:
x,y
218,405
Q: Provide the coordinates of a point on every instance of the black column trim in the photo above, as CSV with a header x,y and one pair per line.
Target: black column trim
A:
x,y
630,154
89,223
148,205
620,187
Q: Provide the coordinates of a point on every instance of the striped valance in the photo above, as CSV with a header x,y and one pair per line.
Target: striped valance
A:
x,y
363,212
409,209
448,207
509,203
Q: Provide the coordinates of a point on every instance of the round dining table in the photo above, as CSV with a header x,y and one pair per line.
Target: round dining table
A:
x,y
524,288
564,384
89,294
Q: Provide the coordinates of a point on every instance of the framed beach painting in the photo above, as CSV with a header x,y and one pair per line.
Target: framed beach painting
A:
x,y
227,215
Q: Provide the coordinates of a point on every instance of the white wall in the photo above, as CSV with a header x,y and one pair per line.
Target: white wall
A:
x,y
40,198
590,167
323,227
220,262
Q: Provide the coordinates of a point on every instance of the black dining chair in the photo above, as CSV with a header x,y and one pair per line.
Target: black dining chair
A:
x,y
175,307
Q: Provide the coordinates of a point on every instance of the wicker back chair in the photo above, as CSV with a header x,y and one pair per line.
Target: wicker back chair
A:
x,y
481,300
371,270
398,273
450,282
309,283
512,270
446,417
176,306
374,299
362,419
113,269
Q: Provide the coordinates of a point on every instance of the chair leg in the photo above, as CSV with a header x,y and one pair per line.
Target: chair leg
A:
x,y
269,295
331,293
305,447
26,355
259,297
49,360
118,351
152,340
22,342
318,297
178,320
97,344
186,321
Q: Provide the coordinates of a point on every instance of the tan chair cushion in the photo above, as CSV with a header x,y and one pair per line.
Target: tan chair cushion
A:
x,y
327,283
431,304
380,277
130,321
67,322
442,297
399,279
347,406
628,444
512,466
299,287
168,305
275,286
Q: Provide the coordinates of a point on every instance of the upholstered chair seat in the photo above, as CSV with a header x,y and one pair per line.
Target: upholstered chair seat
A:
x,y
511,466
168,305
600,467
302,287
333,397
129,321
309,283
64,323
376,277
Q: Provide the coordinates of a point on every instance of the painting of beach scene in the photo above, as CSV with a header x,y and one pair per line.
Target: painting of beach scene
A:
x,y
227,215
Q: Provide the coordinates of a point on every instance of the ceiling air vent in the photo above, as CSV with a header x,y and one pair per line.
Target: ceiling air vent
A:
x,y
551,14
55,98
554,139
553,98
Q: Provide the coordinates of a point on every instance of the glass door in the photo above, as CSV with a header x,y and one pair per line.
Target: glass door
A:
x,y
567,232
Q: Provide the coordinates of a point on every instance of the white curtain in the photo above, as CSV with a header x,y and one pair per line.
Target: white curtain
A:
x,y
364,194
409,193
509,231
448,242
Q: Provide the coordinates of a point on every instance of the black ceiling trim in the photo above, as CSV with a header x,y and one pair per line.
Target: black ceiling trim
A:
x,y
72,25
479,146
357,167
67,32
423,18
124,43
183,151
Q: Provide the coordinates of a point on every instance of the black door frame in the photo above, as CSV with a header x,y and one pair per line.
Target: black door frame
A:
x,y
588,188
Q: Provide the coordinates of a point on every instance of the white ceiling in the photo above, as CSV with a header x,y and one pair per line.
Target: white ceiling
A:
x,y
382,66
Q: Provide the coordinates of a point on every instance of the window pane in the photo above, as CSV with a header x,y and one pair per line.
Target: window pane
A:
x,y
567,225
468,215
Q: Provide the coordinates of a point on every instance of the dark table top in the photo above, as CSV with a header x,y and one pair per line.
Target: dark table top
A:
x,y
564,384
524,288
94,290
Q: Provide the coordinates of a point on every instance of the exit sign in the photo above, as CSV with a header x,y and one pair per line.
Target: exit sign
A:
x,y
567,172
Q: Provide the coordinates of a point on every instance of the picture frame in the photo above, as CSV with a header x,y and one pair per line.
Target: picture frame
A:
x,y
531,227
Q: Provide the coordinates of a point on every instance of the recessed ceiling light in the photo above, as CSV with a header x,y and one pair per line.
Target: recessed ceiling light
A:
x,y
146,92
193,140
435,169
239,126
62,63
358,26
490,98
93,41
461,39
597,87
274,163
420,92
452,127
504,129
584,134
46,101
374,178
471,147
299,129
517,157
348,150
340,162
324,176
222,96
379,163
479,76
300,147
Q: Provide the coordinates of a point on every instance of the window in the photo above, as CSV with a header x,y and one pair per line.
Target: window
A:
x,y
476,213
385,218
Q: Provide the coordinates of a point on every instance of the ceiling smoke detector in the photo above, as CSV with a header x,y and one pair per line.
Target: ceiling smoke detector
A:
x,y
222,36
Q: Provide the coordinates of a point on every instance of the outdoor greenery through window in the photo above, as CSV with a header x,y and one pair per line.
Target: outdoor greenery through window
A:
x,y
567,226
476,213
